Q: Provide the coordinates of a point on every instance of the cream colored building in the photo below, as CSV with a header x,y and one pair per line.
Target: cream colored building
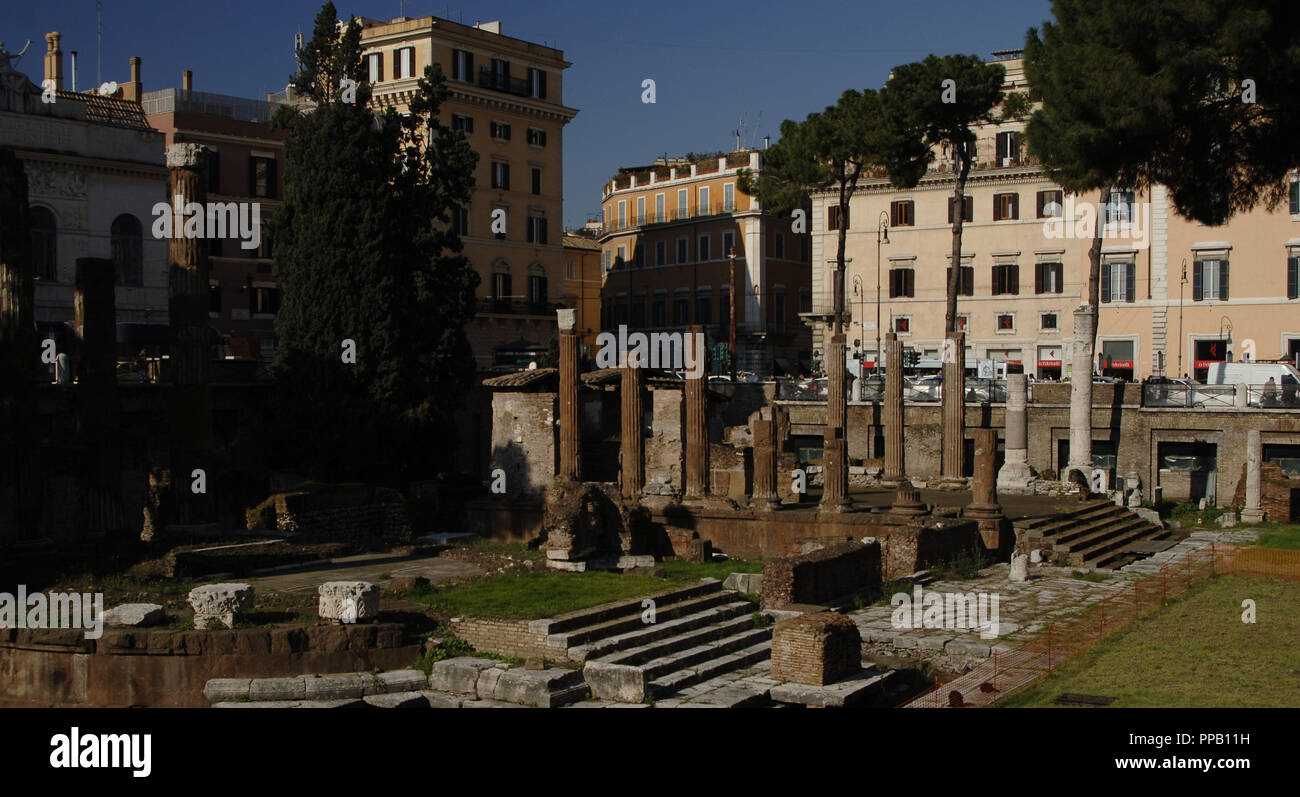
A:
x,y
507,95
670,231
1025,250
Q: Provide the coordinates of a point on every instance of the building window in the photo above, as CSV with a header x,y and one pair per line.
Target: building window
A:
x,y
837,215
536,138
661,253
902,213
638,311
44,236
462,221
1049,277
1121,208
968,208
501,178
500,131
779,317
1117,282
640,211
659,209
1047,321
535,180
463,123
261,177
724,306
537,84
1293,278
704,309
638,255
681,309
1295,197
778,248
805,300
462,66
1006,279
702,249
1051,204
403,63
682,255
902,282
1006,322
499,75
703,209
728,197
266,300
728,243
966,280
128,251
620,259
1006,207
375,62
537,290
902,324
536,230
214,172
501,287
1210,280
805,249
570,272
683,205
1008,152
962,322
659,312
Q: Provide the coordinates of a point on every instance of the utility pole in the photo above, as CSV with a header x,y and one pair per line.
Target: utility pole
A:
x,y
731,314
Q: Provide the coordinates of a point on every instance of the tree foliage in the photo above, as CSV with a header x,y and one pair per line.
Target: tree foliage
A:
x,y
1152,92
365,252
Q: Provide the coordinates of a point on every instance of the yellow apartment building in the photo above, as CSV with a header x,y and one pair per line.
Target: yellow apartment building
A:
x,y
582,284
1025,269
680,236
506,94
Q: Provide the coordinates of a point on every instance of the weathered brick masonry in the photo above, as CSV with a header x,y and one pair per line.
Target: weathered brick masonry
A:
x,y
822,575
816,648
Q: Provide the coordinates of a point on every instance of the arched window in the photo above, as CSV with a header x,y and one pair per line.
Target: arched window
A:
x,y
537,287
128,250
45,253
501,287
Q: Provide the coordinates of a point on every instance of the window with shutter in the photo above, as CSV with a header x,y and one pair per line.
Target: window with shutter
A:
x,y
1105,283
1198,290
968,208
376,61
1223,280
1293,277
1006,207
1295,197
901,213
1130,270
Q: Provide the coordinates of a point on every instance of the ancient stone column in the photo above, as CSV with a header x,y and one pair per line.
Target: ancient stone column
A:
x,y
1081,395
984,506
697,429
895,470
570,408
762,425
1253,513
191,403
98,405
1016,473
954,407
835,456
20,474
632,438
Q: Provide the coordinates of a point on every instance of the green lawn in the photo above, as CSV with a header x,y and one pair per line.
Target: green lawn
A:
x,y
1279,535
1194,653
532,596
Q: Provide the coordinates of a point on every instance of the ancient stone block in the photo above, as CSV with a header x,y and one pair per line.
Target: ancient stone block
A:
x,y
816,649
220,602
134,615
348,601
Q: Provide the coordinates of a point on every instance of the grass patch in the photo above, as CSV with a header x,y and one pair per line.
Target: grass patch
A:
x,y
1194,653
686,571
963,566
1189,513
1279,535
1091,576
532,596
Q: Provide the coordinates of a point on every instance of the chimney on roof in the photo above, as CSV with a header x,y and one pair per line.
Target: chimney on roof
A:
x,y
187,82
132,90
54,59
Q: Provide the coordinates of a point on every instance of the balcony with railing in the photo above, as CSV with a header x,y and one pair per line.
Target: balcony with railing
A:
x,y
504,82
636,220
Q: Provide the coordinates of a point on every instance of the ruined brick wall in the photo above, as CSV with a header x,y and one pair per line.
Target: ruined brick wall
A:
x,y
665,448
816,649
1276,493
523,440
822,575
505,638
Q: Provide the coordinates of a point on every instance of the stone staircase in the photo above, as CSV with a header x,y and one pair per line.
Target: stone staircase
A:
x,y
1094,534
700,633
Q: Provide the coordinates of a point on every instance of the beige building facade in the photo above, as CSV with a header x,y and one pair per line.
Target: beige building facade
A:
x,y
506,94
1025,269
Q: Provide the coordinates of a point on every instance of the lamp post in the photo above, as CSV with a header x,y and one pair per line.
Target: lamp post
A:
x,y
882,237
859,292
1225,323
1181,283
731,298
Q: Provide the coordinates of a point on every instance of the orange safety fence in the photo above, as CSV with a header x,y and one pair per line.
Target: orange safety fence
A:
x,y
1009,671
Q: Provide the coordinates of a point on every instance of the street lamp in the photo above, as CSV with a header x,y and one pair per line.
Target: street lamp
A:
x,y
882,237
1179,372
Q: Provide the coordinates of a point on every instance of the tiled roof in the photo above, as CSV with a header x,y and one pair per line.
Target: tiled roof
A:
x,y
536,379
109,110
572,241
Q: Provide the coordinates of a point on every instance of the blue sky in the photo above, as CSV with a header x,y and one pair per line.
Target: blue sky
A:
x,y
713,63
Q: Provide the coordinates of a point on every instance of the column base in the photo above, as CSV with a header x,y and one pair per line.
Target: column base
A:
x,y
907,504
1252,516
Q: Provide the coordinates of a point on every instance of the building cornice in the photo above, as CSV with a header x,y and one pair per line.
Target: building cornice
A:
x,y
94,165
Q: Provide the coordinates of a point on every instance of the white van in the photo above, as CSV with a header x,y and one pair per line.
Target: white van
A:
x,y
1252,374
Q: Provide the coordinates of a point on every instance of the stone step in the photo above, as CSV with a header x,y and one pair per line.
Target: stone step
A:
x,y
1091,514
1093,552
612,611
709,669
620,626
692,658
659,649
647,633
1120,557
1088,535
